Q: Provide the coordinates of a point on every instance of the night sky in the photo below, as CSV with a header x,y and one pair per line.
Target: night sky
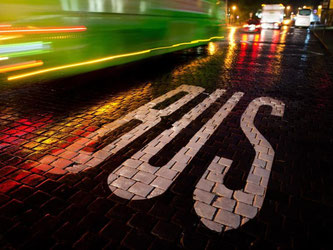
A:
x,y
253,5
285,2
295,3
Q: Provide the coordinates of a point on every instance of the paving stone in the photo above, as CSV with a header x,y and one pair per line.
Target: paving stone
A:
x,y
217,227
32,180
246,210
225,203
127,172
89,240
12,208
8,185
162,210
221,190
203,196
120,212
204,210
57,171
244,197
122,193
261,172
166,173
132,163
122,183
137,240
7,170
19,175
92,222
258,201
109,232
22,192
140,189
61,163
166,231
227,218
254,189
144,177
148,168
48,159
205,185
161,183
143,221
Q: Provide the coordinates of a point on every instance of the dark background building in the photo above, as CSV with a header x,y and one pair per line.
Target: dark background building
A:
x,y
327,12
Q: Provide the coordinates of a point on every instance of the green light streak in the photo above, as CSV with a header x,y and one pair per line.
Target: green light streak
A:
x,y
25,53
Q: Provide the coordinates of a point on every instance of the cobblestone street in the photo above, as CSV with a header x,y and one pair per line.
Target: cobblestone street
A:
x,y
224,146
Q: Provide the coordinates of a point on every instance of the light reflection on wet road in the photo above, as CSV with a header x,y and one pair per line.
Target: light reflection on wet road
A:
x,y
43,119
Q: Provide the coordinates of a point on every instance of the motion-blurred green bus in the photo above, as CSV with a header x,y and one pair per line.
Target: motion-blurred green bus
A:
x,y
42,39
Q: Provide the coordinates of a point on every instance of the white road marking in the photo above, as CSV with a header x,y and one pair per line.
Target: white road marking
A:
x,y
163,177
146,113
228,209
218,207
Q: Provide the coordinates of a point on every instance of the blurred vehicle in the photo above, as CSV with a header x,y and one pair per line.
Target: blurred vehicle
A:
x,y
48,39
252,25
272,16
303,18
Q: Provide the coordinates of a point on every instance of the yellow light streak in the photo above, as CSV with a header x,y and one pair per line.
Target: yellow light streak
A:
x,y
109,58
19,66
2,38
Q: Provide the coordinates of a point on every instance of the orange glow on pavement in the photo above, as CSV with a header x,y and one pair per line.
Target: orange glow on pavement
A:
x,y
29,30
232,35
257,38
104,59
19,66
244,38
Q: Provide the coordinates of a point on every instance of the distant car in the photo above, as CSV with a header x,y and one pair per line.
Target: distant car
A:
x,y
303,18
252,25
272,16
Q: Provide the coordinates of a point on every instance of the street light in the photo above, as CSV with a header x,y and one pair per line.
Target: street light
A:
x,y
234,8
288,9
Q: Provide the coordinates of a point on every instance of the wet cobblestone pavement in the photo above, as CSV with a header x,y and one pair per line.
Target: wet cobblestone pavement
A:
x,y
225,146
